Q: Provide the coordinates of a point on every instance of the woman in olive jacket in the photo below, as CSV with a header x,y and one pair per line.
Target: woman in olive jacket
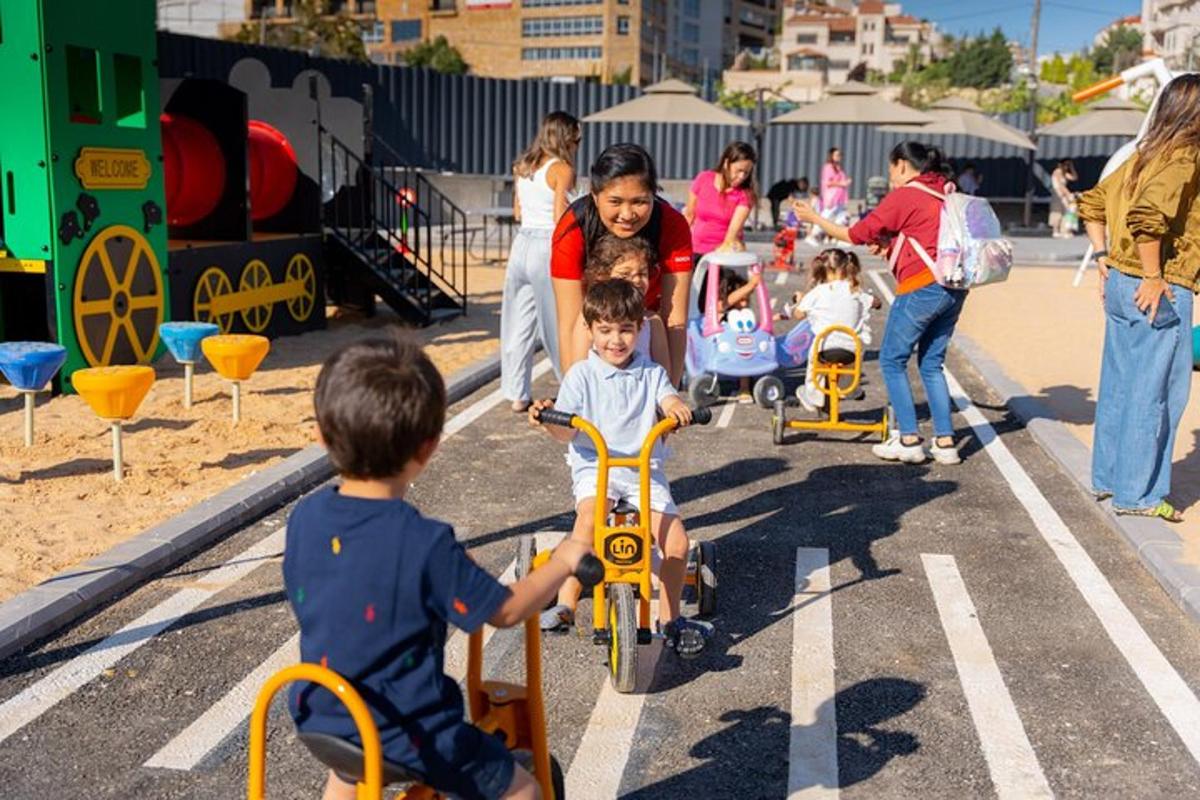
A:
x,y
1149,214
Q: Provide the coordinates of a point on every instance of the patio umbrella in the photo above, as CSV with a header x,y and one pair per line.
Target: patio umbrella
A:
x,y
1109,117
853,103
953,116
668,101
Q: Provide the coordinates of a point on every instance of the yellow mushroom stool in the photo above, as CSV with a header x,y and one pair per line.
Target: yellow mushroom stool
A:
x,y
235,356
114,393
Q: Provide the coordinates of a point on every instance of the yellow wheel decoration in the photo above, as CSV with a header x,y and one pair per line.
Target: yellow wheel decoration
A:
x,y
118,299
300,268
255,275
212,284
614,643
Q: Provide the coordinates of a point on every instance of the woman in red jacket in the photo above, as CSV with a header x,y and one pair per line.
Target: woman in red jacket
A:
x,y
622,203
924,313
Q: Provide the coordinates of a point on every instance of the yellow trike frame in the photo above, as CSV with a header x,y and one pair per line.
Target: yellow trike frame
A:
x,y
519,712
831,373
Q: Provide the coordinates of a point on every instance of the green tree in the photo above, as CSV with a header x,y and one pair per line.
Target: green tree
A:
x,y
624,77
1055,70
982,63
1121,49
314,31
437,55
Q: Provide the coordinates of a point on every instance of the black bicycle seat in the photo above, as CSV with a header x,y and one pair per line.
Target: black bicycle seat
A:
x,y
346,759
624,508
837,355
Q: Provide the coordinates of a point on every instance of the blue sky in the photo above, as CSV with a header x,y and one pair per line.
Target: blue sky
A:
x,y
1066,25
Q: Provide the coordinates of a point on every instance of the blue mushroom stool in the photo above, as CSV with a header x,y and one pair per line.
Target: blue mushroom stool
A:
x,y
183,340
29,366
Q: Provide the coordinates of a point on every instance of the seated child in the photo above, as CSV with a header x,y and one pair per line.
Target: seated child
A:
x,y
733,291
373,583
635,260
621,392
836,297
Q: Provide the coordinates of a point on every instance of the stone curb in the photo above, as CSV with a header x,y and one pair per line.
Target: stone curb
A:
x,y
38,612
1155,542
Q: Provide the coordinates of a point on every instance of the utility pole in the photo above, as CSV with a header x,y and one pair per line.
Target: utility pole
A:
x,y
1033,79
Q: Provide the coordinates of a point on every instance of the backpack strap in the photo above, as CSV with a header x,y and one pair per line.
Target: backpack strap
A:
x,y
916,246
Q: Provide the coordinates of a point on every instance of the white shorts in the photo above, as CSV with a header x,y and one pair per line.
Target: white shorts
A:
x,y
623,485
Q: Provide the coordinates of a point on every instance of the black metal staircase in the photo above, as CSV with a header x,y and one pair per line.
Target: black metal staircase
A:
x,y
392,234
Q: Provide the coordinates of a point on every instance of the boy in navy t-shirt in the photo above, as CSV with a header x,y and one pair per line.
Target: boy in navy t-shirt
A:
x,y
373,583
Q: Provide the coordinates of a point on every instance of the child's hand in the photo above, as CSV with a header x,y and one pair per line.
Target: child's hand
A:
x,y
680,413
571,552
537,407
755,278
804,211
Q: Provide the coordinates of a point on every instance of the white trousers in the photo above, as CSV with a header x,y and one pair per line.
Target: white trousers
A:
x,y
527,313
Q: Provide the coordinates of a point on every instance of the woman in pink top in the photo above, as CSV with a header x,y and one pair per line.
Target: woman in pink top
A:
x,y
835,184
720,200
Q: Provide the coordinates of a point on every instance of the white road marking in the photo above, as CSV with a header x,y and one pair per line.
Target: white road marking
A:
x,y
812,745
603,751
485,404
726,414
26,706
212,727
1170,693
1010,758
781,278
36,699
774,302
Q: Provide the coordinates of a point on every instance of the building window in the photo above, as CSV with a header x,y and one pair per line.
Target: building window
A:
x,y
839,64
131,97
806,38
622,25
691,33
691,8
560,53
406,30
691,57
83,85
375,33
562,26
554,3
806,64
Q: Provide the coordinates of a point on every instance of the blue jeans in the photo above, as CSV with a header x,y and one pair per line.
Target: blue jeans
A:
x,y
923,320
1145,376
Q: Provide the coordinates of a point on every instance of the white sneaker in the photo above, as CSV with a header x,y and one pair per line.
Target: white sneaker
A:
x,y
895,450
807,398
944,455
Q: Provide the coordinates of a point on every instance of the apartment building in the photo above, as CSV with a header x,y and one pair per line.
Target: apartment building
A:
x,y
749,25
1171,29
199,17
604,40
282,12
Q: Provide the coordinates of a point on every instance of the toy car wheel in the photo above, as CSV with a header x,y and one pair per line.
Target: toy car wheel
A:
x,y
706,579
779,421
526,552
767,390
690,574
704,389
622,637
558,781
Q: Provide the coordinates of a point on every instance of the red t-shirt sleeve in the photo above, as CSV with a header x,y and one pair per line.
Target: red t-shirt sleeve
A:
x,y
675,242
567,249
880,224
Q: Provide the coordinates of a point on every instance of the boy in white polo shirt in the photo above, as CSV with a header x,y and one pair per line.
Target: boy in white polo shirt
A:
x,y
621,391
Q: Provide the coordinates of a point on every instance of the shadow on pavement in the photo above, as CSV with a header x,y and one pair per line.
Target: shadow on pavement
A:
x,y
864,745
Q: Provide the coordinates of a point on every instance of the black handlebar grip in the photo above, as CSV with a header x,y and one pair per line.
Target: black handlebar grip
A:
x,y
590,571
548,416
701,415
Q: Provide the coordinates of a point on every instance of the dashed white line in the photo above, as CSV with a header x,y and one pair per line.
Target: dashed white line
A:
x,y
1169,691
726,414
1011,761
484,404
812,745
781,278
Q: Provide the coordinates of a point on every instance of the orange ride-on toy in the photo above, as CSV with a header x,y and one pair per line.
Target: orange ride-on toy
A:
x,y
515,713
621,601
784,255
837,373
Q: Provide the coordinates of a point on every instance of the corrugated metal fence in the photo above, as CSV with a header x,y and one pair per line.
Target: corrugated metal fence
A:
x,y
478,125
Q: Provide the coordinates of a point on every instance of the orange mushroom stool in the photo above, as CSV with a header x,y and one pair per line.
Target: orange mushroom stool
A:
x,y
235,357
114,394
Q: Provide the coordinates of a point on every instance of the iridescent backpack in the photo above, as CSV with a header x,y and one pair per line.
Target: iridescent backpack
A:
x,y
971,249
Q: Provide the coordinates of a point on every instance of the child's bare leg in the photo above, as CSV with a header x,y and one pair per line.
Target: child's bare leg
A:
x,y
583,531
673,542
338,789
744,387
523,786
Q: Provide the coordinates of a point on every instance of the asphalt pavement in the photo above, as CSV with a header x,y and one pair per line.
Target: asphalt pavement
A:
x,y
883,630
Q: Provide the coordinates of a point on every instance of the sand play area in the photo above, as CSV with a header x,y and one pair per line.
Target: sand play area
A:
x,y
58,502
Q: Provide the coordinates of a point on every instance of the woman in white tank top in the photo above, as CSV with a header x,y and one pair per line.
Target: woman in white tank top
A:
x,y
544,175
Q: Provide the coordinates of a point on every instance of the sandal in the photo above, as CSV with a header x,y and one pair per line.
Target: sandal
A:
x,y
1164,511
557,618
1100,495
745,398
686,637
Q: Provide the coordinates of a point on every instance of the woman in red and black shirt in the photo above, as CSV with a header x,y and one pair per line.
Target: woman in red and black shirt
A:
x,y
925,312
622,203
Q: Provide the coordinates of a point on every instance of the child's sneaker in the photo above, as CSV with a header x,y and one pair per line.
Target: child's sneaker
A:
x,y
686,637
894,449
558,618
809,398
944,455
